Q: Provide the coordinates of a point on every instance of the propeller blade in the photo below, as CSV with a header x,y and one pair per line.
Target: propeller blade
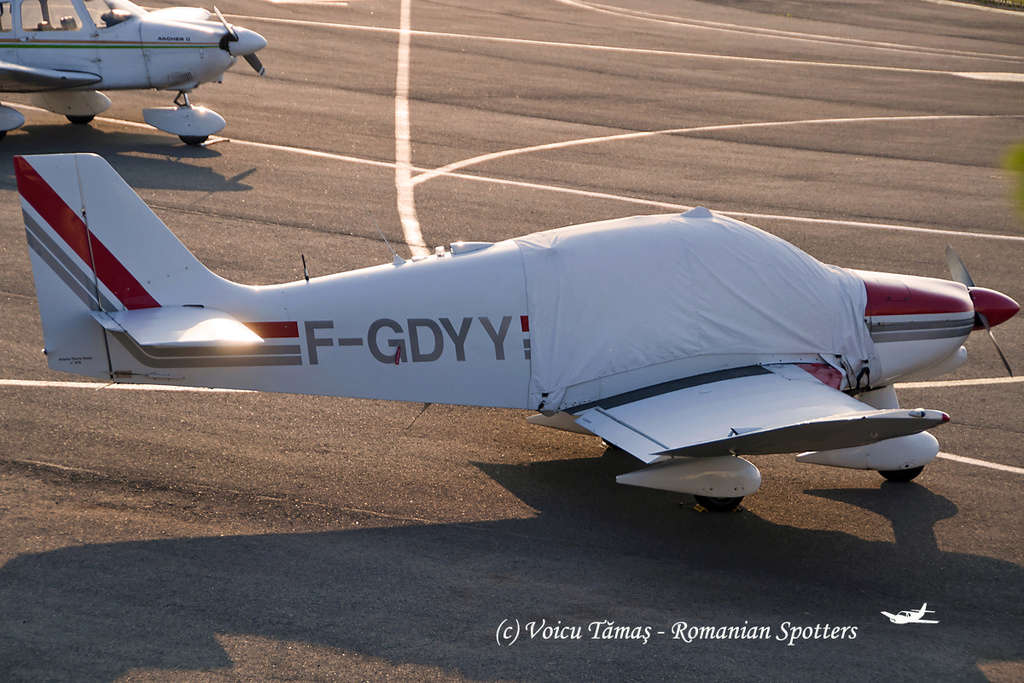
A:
x,y
957,268
256,64
988,328
228,27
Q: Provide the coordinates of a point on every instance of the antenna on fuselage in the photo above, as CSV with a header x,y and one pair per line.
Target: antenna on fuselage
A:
x,y
305,270
397,260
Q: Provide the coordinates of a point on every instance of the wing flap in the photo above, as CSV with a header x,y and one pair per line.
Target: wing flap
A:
x,y
623,435
756,410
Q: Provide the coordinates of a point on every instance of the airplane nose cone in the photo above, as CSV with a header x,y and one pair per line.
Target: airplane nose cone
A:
x,y
995,306
248,43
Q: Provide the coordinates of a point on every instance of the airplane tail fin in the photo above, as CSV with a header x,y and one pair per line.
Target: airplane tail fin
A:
x,y
96,246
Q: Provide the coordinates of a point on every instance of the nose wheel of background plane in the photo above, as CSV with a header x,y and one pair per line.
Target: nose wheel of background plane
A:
x,y
714,504
901,475
193,124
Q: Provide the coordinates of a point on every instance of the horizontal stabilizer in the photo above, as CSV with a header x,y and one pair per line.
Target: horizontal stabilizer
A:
x,y
178,326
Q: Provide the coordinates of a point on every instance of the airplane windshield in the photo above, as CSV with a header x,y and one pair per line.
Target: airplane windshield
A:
x,y
49,15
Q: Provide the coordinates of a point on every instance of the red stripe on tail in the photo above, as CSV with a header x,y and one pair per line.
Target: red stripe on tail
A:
x,y
74,232
275,330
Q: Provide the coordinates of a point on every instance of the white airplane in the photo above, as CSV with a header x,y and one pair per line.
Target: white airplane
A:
x,y
913,616
65,51
687,340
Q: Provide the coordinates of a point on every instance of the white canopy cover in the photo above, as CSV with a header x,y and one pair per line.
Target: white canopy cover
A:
x,y
618,295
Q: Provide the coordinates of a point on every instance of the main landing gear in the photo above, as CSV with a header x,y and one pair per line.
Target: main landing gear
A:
x,y
193,124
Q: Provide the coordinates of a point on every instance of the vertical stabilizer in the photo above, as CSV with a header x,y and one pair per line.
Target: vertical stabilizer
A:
x,y
96,246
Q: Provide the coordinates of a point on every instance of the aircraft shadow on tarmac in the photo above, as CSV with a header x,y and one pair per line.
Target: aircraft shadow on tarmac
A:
x,y
434,594
144,160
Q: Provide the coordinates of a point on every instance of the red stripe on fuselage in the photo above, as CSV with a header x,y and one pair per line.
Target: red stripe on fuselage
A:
x,y
890,294
275,330
66,223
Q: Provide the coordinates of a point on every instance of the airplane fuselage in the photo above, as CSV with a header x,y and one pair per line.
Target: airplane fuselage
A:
x,y
138,52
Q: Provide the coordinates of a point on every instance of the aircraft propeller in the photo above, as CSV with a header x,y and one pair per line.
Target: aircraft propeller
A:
x,y
986,301
250,46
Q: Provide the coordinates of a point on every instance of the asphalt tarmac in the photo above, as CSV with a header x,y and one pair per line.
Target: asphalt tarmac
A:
x,y
166,535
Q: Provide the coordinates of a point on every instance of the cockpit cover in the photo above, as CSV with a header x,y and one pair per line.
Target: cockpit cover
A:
x,y
618,295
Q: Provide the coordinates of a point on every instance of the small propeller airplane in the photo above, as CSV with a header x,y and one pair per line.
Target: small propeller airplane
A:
x,y
912,616
65,51
686,340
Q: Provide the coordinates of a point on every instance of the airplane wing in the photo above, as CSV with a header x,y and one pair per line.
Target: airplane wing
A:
x,y
744,411
18,78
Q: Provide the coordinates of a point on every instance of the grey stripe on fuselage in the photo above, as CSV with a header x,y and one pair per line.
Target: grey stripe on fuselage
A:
x,y
235,350
883,331
202,362
884,325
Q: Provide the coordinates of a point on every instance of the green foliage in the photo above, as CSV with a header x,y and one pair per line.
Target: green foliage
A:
x,y
1014,162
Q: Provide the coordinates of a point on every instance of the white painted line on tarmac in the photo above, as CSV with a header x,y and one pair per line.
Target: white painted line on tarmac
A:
x,y
971,5
952,383
776,33
742,214
472,161
998,76
167,387
981,463
867,225
600,48
26,383
49,384
403,147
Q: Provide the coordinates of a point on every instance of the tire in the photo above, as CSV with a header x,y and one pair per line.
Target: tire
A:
x,y
901,475
718,504
194,140
80,120
3,133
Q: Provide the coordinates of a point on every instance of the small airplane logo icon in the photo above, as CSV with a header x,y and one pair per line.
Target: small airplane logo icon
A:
x,y
912,616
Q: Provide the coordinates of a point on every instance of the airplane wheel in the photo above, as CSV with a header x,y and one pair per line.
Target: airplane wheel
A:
x,y
901,475
80,120
2,134
719,504
193,139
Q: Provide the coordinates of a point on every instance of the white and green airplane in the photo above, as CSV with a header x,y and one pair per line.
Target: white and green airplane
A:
x,y
65,51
